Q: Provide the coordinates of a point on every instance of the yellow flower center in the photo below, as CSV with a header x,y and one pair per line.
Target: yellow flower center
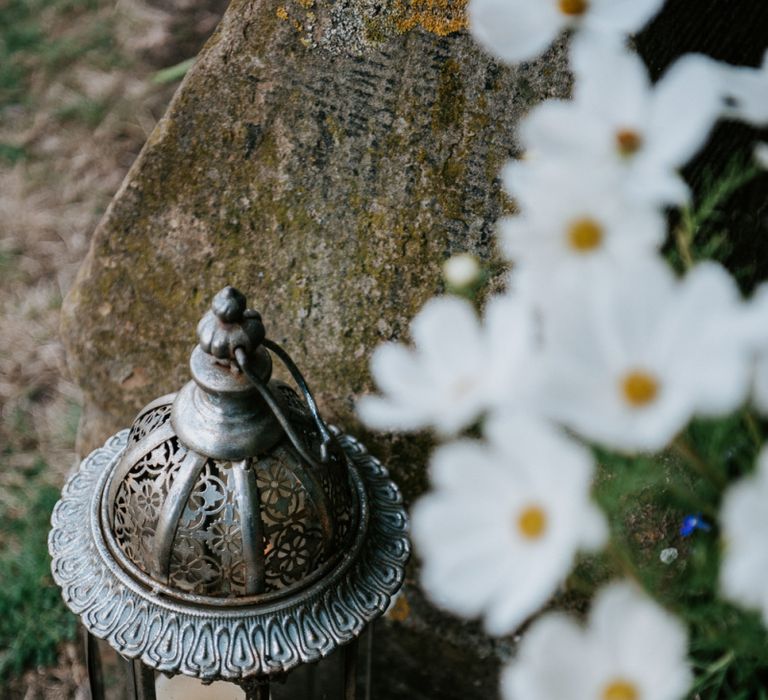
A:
x,y
620,690
639,388
532,522
628,142
574,8
585,235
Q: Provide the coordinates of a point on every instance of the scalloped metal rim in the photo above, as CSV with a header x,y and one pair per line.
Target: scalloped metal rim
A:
x,y
239,642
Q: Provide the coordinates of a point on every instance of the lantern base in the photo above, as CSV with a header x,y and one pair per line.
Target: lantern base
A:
x,y
243,642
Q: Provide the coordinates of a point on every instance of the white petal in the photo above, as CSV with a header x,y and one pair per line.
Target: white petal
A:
x,y
556,129
509,331
745,92
452,464
643,638
704,328
395,368
535,583
447,332
611,81
551,662
514,233
656,183
625,16
756,319
744,522
382,414
686,104
594,529
514,30
760,154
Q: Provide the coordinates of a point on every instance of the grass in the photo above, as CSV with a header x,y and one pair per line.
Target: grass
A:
x,y
10,154
647,497
28,49
33,619
77,101
45,208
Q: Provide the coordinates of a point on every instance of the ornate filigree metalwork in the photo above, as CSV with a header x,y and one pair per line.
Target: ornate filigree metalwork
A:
x,y
230,534
221,642
149,420
306,514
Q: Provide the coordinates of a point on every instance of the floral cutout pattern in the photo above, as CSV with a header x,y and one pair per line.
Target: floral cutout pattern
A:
x,y
148,422
306,510
139,500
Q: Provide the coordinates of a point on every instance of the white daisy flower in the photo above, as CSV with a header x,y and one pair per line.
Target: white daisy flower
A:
x,y
745,92
744,524
630,649
462,271
573,221
500,531
618,118
519,30
458,369
634,353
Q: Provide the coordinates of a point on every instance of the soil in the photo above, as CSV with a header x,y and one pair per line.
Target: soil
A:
x,y
65,146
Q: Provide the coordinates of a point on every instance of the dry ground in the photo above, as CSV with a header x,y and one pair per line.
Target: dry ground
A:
x,y
77,101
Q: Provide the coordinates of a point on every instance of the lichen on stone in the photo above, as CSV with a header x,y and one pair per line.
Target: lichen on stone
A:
x,y
441,17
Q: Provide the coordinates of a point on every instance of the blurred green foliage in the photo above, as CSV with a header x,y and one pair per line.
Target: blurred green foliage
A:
x,y
29,48
11,154
33,618
647,497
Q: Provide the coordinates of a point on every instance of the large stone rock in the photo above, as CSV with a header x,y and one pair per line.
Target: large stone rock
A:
x,y
324,168
325,158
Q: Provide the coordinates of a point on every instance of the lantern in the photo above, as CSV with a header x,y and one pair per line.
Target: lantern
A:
x,y
230,535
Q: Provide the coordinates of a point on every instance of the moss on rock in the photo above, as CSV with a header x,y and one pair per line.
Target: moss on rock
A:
x,y
328,185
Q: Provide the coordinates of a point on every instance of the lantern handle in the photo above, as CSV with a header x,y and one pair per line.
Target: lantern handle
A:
x,y
298,377
241,357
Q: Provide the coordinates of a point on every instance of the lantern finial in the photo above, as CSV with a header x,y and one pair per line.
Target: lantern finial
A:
x,y
230,534
230,325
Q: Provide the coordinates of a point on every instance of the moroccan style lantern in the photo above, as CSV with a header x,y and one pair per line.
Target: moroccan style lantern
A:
x,y
230,534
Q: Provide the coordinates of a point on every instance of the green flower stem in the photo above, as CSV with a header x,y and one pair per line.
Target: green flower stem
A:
x,y
754,429
684,449
683,237
691,502
714,668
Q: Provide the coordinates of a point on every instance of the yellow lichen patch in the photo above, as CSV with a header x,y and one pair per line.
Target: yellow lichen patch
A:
x,y
300,16
532,522
441,17
639,388
620,690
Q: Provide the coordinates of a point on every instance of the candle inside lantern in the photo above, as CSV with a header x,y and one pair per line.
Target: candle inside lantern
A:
x,y
186,688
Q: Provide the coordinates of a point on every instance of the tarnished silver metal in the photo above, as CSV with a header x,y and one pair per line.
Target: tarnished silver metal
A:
x,y
229,534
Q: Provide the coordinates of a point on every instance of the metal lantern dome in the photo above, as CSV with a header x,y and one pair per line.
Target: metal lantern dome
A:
x,y
229,534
